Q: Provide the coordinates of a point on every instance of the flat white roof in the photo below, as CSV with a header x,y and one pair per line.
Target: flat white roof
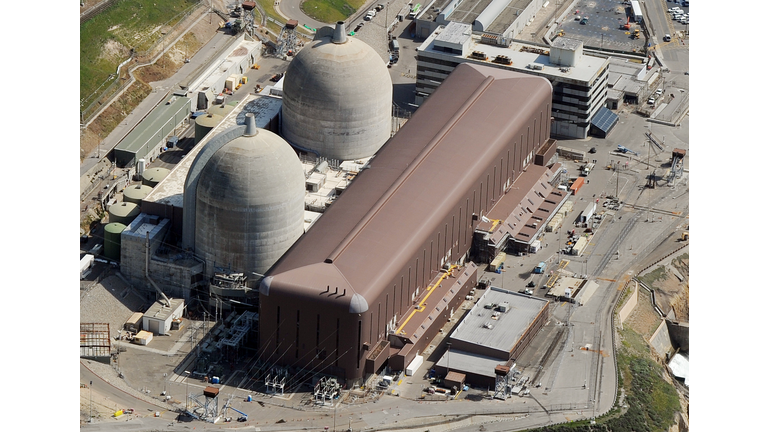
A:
x,y
170,191
588,68
508,328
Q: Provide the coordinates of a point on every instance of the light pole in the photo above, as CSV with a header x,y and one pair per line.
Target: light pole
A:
x,y
90,402
165,383
448,359
187,397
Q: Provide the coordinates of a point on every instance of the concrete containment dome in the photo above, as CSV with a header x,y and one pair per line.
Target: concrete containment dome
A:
x,y
249,206
337,97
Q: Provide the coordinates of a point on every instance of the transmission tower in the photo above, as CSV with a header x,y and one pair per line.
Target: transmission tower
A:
x,y
288,40
248,17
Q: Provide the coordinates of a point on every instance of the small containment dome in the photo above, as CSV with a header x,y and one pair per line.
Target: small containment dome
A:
x,y
153,176
136,193
112,233
249,206
337,97
123,212
204,124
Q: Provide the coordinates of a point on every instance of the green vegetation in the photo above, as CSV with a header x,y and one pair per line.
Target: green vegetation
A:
x,y
106,40
651,402
330,11
677,262
658,273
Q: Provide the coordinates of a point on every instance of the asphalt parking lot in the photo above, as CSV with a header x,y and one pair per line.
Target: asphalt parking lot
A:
x,y
604,27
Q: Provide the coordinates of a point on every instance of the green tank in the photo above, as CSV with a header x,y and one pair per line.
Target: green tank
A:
x,y
153,176
205,124
136,193
123,212
112,233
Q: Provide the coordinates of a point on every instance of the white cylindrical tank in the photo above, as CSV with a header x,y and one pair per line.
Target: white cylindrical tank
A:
x,y
140,166
249,205
337,98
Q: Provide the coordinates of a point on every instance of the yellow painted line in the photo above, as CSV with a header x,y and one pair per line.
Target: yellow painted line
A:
x,y
457,394
399,382
420,307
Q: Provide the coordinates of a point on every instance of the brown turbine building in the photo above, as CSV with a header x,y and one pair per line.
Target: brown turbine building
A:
x,y
390,256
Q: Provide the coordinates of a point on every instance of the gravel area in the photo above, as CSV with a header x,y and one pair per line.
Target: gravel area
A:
x,y
110,300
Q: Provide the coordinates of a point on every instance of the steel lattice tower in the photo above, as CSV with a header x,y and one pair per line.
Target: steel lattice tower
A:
x,y
288,40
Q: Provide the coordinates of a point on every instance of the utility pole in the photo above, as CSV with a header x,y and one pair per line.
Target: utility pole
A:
x,y
187,398
90,402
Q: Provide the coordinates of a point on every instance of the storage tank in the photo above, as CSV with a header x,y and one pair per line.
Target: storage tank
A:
x,y
221,110
205,124
249,200
153,176
123,212
140,166
136,193
337,97
112,233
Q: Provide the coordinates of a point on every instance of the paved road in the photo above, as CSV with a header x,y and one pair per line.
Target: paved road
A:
x,y
104,393
290,9
159,90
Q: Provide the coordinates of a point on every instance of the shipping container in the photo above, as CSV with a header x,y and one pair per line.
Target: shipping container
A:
x,y
498,261
85,265
414,365
577,184
579,247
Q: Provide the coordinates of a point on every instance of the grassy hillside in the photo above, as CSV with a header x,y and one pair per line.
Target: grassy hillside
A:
x,y
106,40
330,11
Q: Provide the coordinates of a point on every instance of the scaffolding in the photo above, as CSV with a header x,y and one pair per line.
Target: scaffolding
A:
x,y
94,340
205,406
248,17
503,382
288,40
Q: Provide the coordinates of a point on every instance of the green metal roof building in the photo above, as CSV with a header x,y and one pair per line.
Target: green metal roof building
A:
x,y
145,140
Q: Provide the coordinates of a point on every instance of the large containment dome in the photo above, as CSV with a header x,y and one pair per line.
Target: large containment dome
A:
x,y
337,97
112,233
249,206
124,212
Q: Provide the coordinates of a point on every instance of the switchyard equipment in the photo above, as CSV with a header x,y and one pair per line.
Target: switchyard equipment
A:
x,y
326,390
276,380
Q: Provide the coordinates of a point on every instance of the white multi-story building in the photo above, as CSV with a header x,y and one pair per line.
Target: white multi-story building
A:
x,y
579,80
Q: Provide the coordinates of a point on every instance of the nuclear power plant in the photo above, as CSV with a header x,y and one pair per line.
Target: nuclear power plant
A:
x,y
337,99
299,205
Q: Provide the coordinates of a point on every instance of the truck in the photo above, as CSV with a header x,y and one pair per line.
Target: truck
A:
x,y
540,268
586,168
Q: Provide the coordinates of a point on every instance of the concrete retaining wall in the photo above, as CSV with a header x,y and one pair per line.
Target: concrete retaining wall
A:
x,y
660,340
678,334
627,309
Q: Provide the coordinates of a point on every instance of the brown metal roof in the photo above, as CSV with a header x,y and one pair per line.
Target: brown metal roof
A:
x,y
531,199
388,212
